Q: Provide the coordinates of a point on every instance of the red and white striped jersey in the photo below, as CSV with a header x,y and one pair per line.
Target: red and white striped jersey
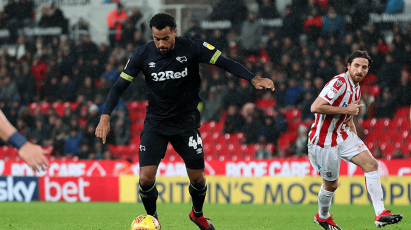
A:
x,y
330,130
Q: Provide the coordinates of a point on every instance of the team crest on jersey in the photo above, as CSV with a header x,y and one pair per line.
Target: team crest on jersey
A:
x,y
152,64
181,59
330,94
208,46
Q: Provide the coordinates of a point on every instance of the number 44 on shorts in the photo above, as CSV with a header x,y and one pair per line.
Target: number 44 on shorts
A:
x,y
192,142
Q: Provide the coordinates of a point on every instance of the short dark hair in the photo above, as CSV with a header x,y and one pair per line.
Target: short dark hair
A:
x,y
359,54
162,20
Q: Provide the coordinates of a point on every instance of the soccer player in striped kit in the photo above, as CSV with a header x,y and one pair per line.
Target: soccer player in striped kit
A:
x,y
333,136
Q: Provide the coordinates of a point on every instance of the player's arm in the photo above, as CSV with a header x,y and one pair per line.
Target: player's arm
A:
x,y
239,70
131,70
113,98
322,106
351,124
209,54
32,154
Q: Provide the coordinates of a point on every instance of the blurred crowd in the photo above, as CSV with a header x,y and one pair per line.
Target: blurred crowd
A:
x,y
300,56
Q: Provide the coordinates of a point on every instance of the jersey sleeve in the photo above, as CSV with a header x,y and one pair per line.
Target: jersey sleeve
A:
x,y
207,53
133,66
333,90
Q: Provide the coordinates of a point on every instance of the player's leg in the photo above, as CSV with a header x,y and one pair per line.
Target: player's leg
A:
x,y
152,149
189,147
325,196
327,162
373,184
197,189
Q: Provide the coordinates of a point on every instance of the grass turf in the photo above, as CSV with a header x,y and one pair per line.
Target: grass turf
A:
x,y
42,215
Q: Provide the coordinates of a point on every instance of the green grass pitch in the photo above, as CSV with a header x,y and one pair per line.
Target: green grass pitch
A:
x,y
43,215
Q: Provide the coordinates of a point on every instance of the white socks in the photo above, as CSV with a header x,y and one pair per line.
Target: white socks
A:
x,y
373,184
324,203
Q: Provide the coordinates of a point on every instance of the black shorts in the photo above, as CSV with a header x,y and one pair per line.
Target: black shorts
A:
x,y
188,145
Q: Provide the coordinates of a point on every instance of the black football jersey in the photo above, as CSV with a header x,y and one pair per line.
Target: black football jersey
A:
x,y
173,79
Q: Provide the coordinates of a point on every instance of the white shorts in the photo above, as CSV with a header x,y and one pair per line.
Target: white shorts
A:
x,y
327,161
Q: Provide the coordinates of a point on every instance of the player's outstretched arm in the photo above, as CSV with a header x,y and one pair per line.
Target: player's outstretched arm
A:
x,y
239,70
263,83
32,154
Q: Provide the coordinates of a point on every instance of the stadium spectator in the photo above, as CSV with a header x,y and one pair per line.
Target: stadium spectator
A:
x,y
250,36
403,90
333,24
72,144
8,89
385,107
262,152
121,127
87,89
212,106
138,39
252,127
38,133
115,21
378,154
135,18
194,31
104,88
301,141
93,114
218,39
308,100
111,74
292,93
390,72
235,11
398,154
82,119
280,93
234,122
66,89
84,150
368,110
90,48
313,24
274,50
247,92
128,33
267,9
269,132
292,24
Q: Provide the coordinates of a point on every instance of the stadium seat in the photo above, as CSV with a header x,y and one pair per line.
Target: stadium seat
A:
x,y
265,103
369,79
375,90
384,124
403,112
292,115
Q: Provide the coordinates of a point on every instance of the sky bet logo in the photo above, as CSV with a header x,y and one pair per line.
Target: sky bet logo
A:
x,y
19,189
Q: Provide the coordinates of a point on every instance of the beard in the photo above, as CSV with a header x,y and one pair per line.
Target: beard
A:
x,y
358,77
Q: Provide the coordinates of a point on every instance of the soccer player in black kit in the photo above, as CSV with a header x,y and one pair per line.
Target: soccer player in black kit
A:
x,y
170,66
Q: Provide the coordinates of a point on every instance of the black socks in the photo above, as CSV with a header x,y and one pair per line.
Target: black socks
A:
x,y
149,196
198,194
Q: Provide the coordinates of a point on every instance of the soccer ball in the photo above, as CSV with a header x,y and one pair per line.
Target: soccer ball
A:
x,y
145,222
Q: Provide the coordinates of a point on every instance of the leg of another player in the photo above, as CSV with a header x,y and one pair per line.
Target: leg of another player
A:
x,y
325,196
198,190
372,179
148,189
